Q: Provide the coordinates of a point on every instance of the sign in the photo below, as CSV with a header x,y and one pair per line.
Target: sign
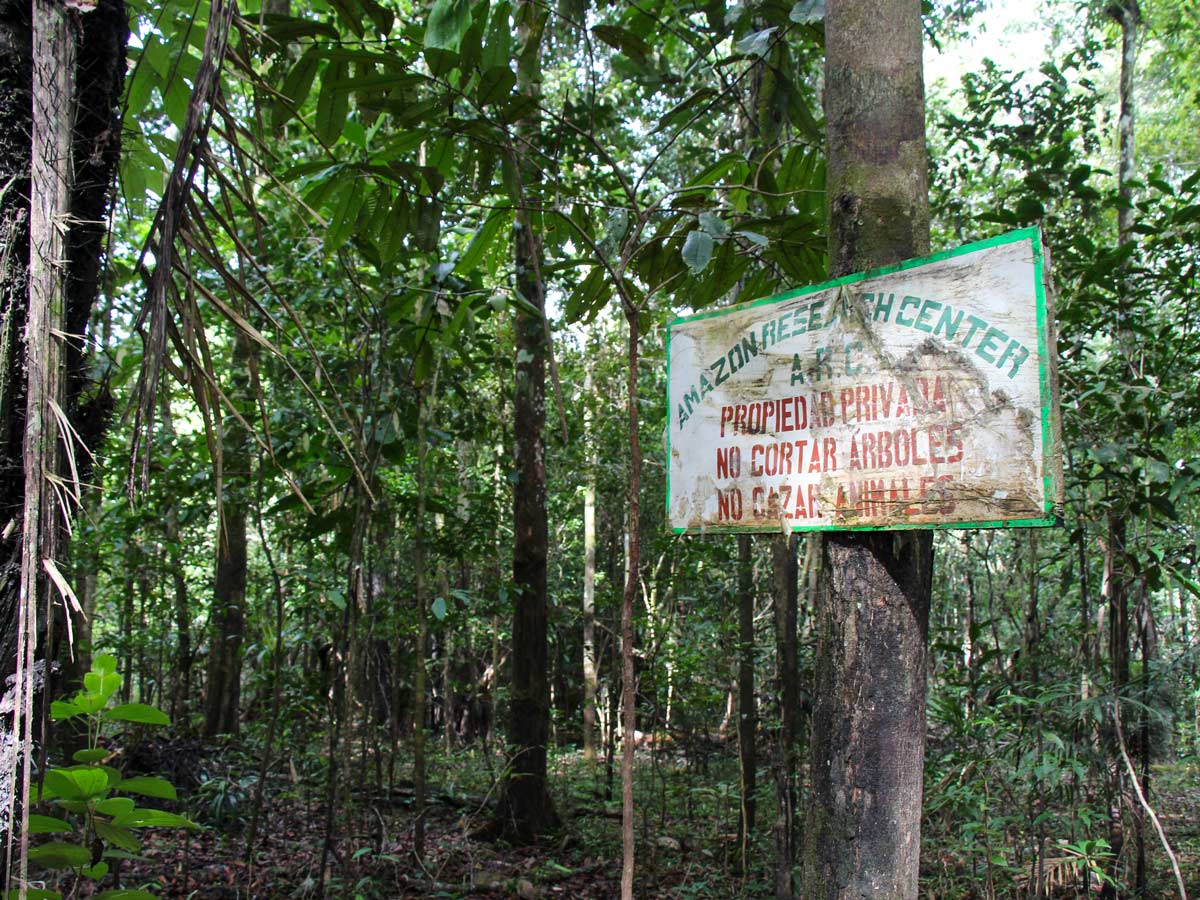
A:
x,y
919,395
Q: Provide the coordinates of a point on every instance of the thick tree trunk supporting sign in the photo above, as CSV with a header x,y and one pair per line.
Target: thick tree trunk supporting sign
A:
x,y
868,734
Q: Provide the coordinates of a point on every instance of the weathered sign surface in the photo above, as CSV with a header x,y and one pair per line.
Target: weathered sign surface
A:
x,y
921,395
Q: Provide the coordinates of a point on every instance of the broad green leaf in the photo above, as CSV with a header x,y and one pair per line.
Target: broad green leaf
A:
x,y
296,86
497,49
94,754
60,855
141,713
153,818
333,103
77,783
439,609
447,25
697,251
64,709
149,786
713,225
117,835
39,824
115,806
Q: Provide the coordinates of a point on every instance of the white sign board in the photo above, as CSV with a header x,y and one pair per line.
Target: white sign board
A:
x,y
921,395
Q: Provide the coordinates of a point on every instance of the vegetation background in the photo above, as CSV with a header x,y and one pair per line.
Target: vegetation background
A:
x,y
380,276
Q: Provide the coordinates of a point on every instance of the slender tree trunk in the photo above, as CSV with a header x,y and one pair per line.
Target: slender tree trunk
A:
x,y
589,579
786,600
632,563
526,810
421,650
747,726
868,730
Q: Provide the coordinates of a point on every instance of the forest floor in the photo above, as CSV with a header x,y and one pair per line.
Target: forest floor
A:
x,y
685,833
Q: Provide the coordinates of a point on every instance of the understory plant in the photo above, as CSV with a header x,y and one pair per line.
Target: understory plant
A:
x,y
92,822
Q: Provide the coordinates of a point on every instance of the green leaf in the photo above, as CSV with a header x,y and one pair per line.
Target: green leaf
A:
x,y
34,894
447,25
142,713
333,103
153,818
77,783
48,825
439,609
697,251
94,754
296,86
624,41
808,11
756,44
60,855
713,225
64,709
482,241
96,872
115,806
149,786
117,835
497,49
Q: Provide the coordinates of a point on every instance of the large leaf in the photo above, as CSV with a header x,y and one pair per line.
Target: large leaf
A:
x,y
78,783
153,818
697,251
447,25
142,713
60,855
48,825
149,786
333,103
117,835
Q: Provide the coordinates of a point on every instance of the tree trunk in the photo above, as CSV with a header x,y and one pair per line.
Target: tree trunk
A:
x,y
526,810
632,563
589,580
747,726
868,730
229,585
786,600
98,76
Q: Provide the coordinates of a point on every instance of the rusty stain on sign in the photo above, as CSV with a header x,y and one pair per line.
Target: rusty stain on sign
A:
x,y
921,395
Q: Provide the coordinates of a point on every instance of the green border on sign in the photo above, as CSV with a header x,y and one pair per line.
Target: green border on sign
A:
x,y
1051,472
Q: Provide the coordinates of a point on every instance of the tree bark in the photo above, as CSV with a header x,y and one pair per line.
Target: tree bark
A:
x,y
526,810
868,728
98,75
229,585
